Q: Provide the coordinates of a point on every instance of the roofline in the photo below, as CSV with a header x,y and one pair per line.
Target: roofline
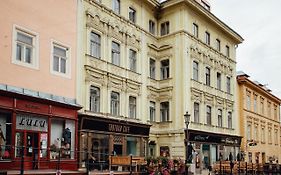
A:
x,y
238,39
242,79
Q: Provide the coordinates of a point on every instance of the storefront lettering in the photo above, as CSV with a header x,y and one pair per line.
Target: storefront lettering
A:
x,y
32,122
118,128
201,138
31,106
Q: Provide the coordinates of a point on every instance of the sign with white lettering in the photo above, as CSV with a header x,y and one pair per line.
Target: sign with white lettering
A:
x,y
31,122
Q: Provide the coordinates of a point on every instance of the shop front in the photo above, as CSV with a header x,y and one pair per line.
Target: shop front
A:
x,y
36,131
101,137
209,148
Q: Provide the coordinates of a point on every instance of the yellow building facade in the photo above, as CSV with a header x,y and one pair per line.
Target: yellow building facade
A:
x,y
143,64
259,112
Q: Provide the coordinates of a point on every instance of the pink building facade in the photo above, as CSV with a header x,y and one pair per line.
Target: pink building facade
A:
x,y
38,110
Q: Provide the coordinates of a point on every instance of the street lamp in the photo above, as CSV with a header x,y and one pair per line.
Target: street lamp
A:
x,y
186,121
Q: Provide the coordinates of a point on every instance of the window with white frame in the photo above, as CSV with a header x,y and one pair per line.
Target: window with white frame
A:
x,y
195,30
209,115
207,38
152,68
219,118
95,45
132,107
132,14
218,45
151,27
229,120
60,59
165,28
25,48
208,76
94,99
152,109
133,60
115,103
228,85
116,6
195,70
115,53
165,69
196,112
218,80
164,111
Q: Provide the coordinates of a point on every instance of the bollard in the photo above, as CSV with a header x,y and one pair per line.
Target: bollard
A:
x,y
239,168
246,168
58,165
220,168
22,160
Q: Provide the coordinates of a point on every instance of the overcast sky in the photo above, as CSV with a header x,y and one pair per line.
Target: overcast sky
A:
x,y
259,23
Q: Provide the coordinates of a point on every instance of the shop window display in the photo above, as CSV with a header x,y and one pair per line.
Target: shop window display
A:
x,y
133,146
62,138
5,136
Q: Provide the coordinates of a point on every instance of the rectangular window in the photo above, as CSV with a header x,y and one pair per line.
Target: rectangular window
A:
x,y
94,99
164,111
269,109
165,28
132,14
262,135
62,136
229,120
255,103
196,112
152,68
219,118
228,85
269,136
164,69
248,101
256,133
133,60
132,107
152,27
95,45
195,71
207,38
275,112
209,115
115,53
227,52
116,6
262,106
115,103
249,128
60,60
152,108
6,136
195,30
24,48
218,80
218,45
208,76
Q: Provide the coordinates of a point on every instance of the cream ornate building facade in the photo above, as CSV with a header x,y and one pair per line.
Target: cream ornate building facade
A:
x,y
259,112
143,64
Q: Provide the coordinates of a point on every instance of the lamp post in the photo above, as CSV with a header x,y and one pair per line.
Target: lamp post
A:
x,y
186,121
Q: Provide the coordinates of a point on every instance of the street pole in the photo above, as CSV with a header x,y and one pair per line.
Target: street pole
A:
x,y
186,121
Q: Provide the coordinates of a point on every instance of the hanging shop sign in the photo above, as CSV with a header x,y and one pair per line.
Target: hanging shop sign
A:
x,y
31,122
115,126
